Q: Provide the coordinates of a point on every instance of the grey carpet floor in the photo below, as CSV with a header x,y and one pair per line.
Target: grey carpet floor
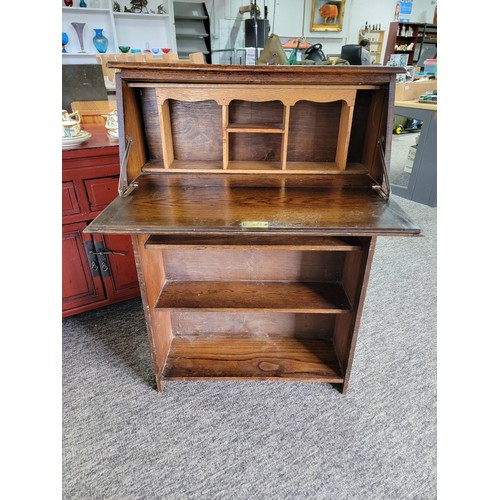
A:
x,y
262,440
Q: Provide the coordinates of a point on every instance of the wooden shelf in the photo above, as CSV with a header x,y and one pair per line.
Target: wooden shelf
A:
x,y
267,241
307,360
264,128
263,296
269,167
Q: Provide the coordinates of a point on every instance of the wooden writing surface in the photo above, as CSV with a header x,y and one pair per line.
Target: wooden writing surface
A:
x,y
175,202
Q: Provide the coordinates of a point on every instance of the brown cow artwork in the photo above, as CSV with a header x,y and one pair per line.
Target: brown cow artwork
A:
x,y
327,15
329,12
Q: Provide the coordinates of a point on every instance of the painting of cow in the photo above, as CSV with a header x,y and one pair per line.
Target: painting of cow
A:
x,y
327,15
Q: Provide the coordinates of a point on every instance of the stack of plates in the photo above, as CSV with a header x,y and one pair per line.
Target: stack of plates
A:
x,y
70,142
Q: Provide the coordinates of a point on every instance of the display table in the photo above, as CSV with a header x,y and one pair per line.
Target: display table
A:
x,y
90,277
254,203
422,186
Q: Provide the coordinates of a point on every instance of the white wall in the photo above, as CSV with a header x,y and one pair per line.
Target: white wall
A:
x,y
293,20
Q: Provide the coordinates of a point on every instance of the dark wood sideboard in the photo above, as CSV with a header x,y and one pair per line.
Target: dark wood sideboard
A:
x,y
97,270
254,196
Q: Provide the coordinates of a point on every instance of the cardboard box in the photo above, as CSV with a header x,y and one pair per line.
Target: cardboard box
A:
x,y
410,91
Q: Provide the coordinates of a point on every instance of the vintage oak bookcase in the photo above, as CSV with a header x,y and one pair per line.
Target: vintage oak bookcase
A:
x,y
254,196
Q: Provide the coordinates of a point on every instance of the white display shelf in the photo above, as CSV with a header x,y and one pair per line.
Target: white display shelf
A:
x,y
137,30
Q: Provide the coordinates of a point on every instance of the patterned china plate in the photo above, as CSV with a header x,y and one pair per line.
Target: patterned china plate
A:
x,y
69,142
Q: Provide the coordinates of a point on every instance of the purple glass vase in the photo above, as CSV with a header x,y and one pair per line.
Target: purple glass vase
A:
x,y
79,31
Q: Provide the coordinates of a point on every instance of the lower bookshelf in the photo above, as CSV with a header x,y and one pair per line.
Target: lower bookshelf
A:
x,y
287,359
256,306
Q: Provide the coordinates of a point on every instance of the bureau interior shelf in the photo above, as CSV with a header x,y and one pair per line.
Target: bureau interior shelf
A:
x,y
309,360
227,128
270,167
268,241
265,128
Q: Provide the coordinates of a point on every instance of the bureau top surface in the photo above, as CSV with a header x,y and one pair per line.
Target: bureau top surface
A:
x,y
213,73
327,204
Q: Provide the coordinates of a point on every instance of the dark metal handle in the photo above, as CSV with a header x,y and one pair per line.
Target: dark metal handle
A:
x,y
107,252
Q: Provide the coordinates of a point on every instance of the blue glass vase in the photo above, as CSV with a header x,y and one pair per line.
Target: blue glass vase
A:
x,y
100,41
65,41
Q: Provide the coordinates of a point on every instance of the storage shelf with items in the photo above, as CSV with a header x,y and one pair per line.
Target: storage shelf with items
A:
x,y
426,43
130,24
254,205
89,19
376,39
402,39
192,29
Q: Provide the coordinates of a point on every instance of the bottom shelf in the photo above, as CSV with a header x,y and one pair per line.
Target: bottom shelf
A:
x,y
287,359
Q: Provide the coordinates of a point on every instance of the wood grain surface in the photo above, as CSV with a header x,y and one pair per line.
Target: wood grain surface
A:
x,y
333,204
214,73
307,360
266,241
261,296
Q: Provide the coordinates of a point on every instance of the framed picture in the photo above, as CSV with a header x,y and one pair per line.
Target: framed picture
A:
x,y
327,15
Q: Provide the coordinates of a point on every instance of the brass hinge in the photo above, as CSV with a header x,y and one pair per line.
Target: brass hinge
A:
x,y
383,192
124,189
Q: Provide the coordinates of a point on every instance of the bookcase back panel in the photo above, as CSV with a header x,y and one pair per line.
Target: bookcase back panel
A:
x,y
313,132
360,126
258,265
255,147
196,130
248,112
151,120
252,324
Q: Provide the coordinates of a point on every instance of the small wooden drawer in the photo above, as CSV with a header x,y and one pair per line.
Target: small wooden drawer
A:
x,y
70,205
101,192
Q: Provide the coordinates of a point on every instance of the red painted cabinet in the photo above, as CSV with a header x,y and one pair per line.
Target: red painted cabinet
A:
x,y
97,270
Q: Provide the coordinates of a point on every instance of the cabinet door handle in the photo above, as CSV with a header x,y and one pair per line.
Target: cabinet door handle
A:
x,y
89,248
107,252
100,252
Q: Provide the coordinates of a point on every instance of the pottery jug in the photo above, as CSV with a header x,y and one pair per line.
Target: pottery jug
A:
x,y
70,124
112,123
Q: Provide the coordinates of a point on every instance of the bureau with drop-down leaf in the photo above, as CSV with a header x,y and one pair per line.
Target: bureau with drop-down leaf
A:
x,y
254,197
